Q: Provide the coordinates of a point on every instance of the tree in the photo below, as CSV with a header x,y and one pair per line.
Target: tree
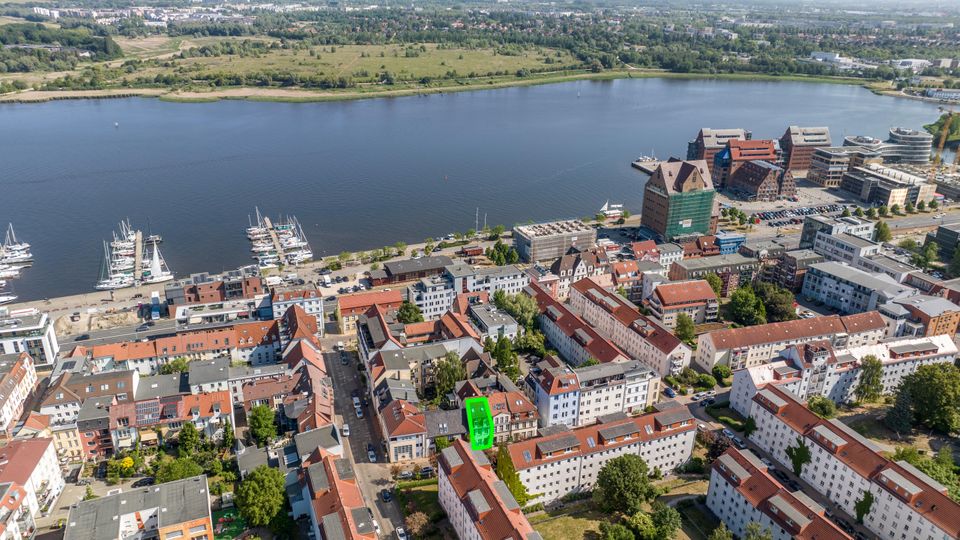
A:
x,y
862,506
895,209
177,469
521,307
642,526
858,212
705,381
754,531
614,531
262,425
685,330
822,406
177,365
228,436
935,392
506,358
188,439
721,533
441,442
954,268
845,213
909,207
927,256
623,485
401,248
799,456
871,213
508,473
922,206
496,232
900,417
666,520
409,313
261,495
417,524
934,204
882,232
746,308
908,244
715,283
717,448
777,302
870,385
749,426
89,495
721,372
450,371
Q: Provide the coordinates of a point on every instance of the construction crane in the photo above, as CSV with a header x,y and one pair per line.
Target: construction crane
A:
x,y
944,131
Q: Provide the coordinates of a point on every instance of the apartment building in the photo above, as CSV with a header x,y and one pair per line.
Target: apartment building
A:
x,y
799,144
31,464
931,315
573,267
548,241
310,300
678,200
567,461
555,391
754,345
351,306
404,430
695,299
817,369
409,270
629,275
573,338
477,503
18,380
733,270
30,331
435,295
62,401
742,491
333,501
844,247
178,509
851,290
844,465
640,337
515,418
791,268
709,142
814,225
204,288
763,181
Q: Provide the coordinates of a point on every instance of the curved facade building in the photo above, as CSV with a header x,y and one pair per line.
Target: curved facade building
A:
x,y
903,146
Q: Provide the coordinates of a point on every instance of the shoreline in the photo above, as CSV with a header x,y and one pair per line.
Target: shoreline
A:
x,y
297,95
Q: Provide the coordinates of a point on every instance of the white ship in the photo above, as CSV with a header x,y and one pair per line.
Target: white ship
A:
x,y
157,271
7,298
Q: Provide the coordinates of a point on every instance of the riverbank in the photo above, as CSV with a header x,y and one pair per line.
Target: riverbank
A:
x,y
299,95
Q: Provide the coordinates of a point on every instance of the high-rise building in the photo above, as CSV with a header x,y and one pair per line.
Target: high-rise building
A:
x,y
799,143
711,141
678,200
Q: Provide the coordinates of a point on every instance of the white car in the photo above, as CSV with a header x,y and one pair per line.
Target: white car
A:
x,y
356,402
376,527
359,412
372,456
345,430
402,534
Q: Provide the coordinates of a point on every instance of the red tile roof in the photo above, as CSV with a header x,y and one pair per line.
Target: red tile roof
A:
x,y
502,521
340,496
355,304
569,323
684,292
402,418
753,149
735,338
20,457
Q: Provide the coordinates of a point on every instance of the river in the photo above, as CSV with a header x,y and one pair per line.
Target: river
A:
x,y
363,174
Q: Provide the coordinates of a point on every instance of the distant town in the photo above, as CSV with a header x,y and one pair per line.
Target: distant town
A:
x,y
766,349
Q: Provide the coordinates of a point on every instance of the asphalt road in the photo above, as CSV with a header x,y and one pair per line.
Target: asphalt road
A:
x,y
372,477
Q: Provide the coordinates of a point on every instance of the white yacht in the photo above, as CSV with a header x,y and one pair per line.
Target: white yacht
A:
x,y
157,272
7,298
11,244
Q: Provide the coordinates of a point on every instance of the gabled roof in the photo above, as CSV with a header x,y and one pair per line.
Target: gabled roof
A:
x,y
679,176
679,293
402,418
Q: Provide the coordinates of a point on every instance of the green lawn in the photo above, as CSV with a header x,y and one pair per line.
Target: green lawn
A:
x,y
575,524
697,522
227,524
727,416
424,498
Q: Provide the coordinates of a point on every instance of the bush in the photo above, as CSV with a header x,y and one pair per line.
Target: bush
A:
x,y
533,508
417,483
694,466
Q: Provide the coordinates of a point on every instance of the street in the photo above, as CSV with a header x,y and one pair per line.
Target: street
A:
x,y
372,477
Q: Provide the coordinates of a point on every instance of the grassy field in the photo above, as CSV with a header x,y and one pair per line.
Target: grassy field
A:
x,y
725,415
424,498
581,522
698,522
364,63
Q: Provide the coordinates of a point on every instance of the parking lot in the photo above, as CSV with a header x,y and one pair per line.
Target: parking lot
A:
x,y
794,216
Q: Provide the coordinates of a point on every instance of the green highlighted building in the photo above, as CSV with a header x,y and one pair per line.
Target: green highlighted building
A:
x,y
479,422
678,200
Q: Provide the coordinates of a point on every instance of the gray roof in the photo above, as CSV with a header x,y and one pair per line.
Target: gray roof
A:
x,y
433,262
401,358
920,346
504,493
618,430
460,270
156,386
390,390
772,398
209,371
490,316
344,469
828,434
240,372
853,240
251,457
612,417
878,282
478,502
174,502
95,410
932,306
669,247
717,261
318,476
733,466
787,509
673,416
666,405
804,255
560,443
451,457
922,476
361,516
333,527
323,436
453,421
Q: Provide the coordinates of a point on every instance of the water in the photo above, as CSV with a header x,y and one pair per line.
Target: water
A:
x,y
364,174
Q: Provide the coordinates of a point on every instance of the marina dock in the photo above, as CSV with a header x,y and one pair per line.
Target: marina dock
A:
x,y
646,165
275,239
138,256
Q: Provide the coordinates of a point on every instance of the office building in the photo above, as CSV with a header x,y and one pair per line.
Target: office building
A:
x,y
798,145
742,491
754,345
709,142
844,465
885,186
30,331
678,200
851,290
947,237
638,336
844,247
813,225
829,164
477,503
548,241
902,146
763,181
178,509
738,152
567,461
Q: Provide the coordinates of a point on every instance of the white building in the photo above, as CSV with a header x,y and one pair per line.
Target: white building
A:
x,y
669,254
851,290
578,397
754,345
435,295
18,379
568,461
32,463
311,300
844,247
29,331
742,491
816,369
844,465
640,337
477,503
575,340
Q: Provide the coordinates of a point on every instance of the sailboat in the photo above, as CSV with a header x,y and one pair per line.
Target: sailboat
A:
x,y
14,250
157,272
110,277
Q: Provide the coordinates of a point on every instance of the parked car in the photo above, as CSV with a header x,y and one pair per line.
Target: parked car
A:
x,y
386,495
356,402
727,433
372,456
426,472
405,475
669,392
402,534
359,412
345,430
143,482
82,337
738,442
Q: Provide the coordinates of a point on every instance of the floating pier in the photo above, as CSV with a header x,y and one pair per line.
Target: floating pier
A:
x,y
647,165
